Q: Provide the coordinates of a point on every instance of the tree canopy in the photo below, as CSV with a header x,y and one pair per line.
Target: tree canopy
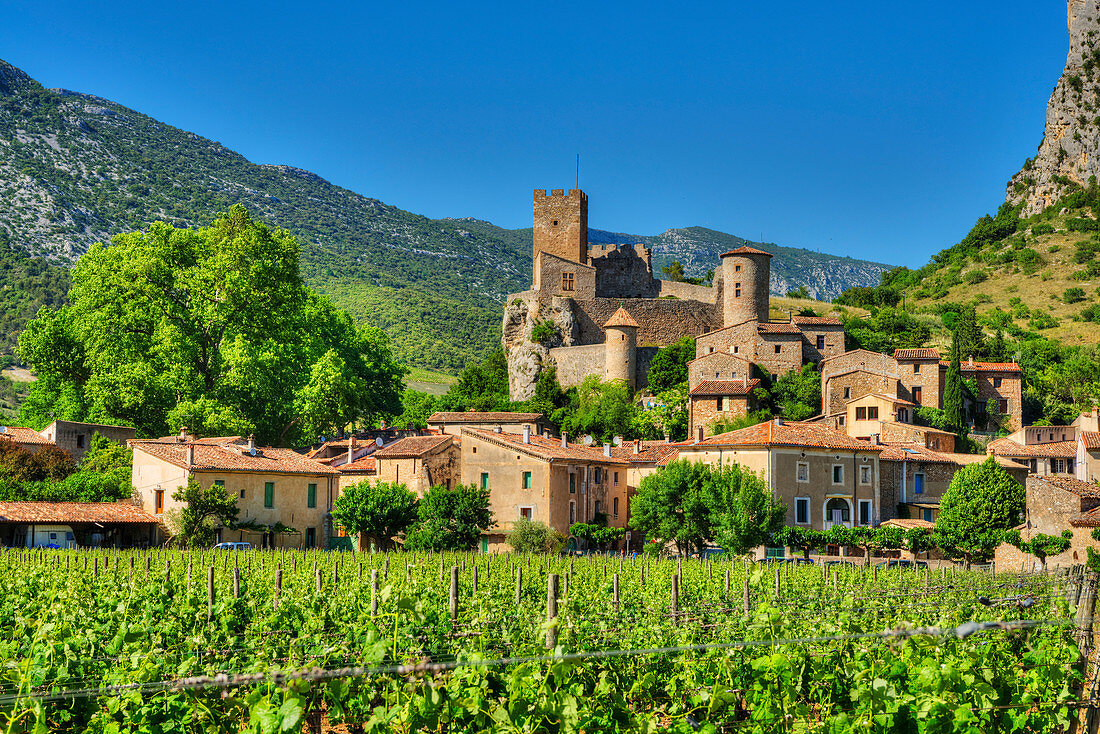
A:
x,y
378,511
451,518
210,328
982,502
668,368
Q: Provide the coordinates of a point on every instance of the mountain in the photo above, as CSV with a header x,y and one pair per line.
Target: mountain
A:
x,y
1070,150
76,169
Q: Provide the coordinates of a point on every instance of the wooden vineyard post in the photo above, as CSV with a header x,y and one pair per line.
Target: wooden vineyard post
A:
x,y
335,574
565,587
551,611
236,583
615,592
777,583
473,585
675,598
824,575
727,583
209,593
1085,609
927,579
442,568
748,599
454,593
519,583
319,583
278,585
386,568
373,593
836,583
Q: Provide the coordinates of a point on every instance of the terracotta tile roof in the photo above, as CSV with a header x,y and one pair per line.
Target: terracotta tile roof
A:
x,y
1089,519
724,387
549,449
892,398
916,354
230,454
745,251
621,318
1091,439
484,417
984,366
23,435
816,320
787,433
769,327
366,465
913,452
412,447
908,523
64,513
669,457
1072,485
1055,450
652,452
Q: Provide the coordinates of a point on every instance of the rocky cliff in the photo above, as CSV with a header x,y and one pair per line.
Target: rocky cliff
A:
x,y
1070,151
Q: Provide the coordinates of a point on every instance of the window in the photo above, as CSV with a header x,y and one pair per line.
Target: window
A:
x,y
269,494
242,494
736,349
311,537
802,510
1059,466
80,440
737,268
597,475
159,502
737,290
724,404
774,552
917,391
710,350
840,420
1032,466
861,414
996,382
865,512
484,480
916,369
903,415
820,341
837,511
926,514
1003,406
567,281
572,512
838,474
847,393
803,474
615,506
527,512
918,483
527,480
872,413
572,484
616,477
778,349
311,495
865,474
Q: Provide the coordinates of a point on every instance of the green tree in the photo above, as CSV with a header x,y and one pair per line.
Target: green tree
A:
x,y
797,395
982,502
595,536
953,391
750,514
380,511
668,415
451,519
675,505
674,271
802,539
668,368
416,408
602,409
528,536
967,335
1040,545
213,326
202,512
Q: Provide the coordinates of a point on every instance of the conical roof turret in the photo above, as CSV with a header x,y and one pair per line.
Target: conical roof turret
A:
x,y
620,319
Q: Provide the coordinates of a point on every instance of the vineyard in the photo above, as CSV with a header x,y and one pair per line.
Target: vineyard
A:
x,y
176,641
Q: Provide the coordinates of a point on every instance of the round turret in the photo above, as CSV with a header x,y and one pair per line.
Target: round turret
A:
x,y
620,347
746,281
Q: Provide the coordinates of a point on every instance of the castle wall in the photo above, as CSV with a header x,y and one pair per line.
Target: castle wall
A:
x,y
561,224
549,280
662,321
643,356
576,363
621,272
686,291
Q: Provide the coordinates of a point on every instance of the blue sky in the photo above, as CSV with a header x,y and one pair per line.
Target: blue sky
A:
x,y
870,129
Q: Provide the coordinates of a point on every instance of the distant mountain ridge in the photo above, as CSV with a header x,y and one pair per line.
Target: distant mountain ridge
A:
x,y
76,169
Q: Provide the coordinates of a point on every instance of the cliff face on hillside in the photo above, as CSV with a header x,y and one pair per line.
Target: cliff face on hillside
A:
x,y
1070,151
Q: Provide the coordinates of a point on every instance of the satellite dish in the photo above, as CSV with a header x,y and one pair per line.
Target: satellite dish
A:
x,y
378,442
587,441
618,440
252,451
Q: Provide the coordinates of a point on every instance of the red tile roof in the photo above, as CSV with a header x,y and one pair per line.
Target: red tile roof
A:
x,y
916,354
484,417
787,433
413,447
621,318
23,435
816,320
1056,450
1091,439
366,465
913,452
984,366
745,251
651,452
1090,519
724,387
1072,485
64,513
908,523
548,449
769,327
230,454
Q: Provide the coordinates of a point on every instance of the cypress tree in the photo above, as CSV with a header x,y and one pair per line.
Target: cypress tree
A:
x,y
953,389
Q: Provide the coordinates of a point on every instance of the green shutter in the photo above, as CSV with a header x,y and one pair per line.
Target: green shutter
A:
x,y
527,480
219,482
484,480
269,494
311,496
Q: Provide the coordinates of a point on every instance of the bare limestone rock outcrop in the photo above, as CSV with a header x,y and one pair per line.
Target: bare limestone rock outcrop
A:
x,y
1070,151
527,357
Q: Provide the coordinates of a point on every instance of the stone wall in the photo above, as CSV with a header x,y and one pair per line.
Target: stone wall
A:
x,y
561,224
923,374
662,321
778,354
549,279
687,291
706,410
718,366
576,363
622,273
1009,391
1049,510
833,338
892,432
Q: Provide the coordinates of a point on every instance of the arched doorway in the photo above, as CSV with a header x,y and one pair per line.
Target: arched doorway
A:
x,y
838,511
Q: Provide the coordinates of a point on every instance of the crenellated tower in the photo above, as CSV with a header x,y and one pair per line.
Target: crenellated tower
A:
x,y
561,225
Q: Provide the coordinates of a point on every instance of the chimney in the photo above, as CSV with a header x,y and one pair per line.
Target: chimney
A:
x,y
527,434
970,360
698,434
497,429
564,439
190,455
251,442
351,449
637,446
779,421
183,433
607,450
618,440
546,433
875,439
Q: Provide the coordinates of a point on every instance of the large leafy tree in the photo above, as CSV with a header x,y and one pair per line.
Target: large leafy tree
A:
x,y
202,511
668,368
377,511
675,506
602,409
982,502
211,328
451,518
953,391
749,514
797,537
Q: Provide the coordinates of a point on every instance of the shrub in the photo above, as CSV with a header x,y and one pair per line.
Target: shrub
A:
x,y
1073,295
975,276
1042,228
527,536
543,332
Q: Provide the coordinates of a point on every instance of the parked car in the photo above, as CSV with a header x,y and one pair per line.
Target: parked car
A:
x,y
233,546
800,561
839,563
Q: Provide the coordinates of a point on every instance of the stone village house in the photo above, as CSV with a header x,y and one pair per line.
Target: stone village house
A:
x,y
1055,504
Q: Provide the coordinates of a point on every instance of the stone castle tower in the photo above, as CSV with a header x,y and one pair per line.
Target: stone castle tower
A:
x,y
561,226
621,347
746,276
